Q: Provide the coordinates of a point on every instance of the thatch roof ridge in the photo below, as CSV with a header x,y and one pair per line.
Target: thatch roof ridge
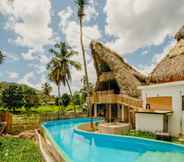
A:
x,y
135,71
180,34
127,77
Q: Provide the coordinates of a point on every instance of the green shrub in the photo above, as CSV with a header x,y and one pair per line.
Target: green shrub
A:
x,y
65,99
141,134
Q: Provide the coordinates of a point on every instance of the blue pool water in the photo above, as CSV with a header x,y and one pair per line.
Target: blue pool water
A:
x,y
79,146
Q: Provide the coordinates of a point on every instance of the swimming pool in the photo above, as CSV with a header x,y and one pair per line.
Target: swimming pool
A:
x,y
80,146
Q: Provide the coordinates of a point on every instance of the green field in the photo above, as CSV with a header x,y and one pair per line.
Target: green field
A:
x,y
45,108
18,150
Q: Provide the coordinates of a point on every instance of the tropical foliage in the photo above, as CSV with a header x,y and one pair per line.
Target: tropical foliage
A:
x,y
31,99
60,66
65,99
46,88
15,96
12,97
86,90
77,98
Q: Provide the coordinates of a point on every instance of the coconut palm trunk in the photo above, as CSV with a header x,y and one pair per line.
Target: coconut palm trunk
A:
x,y
85,69
59,97
71,94
83,52
84,56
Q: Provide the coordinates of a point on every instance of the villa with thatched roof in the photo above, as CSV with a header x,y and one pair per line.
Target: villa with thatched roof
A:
x,y
116,93
163,98
150,103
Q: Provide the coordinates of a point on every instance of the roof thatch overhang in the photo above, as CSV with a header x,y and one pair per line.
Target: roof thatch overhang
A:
x,y
171,68
127,77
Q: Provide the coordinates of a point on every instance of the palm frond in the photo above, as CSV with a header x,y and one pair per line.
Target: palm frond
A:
x,y
60,64
81,3
1,57
53,51
75,64
72,53
81,6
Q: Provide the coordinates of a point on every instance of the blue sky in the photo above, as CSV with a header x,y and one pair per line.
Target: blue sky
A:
x,y
141,31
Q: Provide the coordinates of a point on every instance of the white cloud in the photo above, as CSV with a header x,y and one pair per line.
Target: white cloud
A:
x,y
27,79
71,29
145,52
44,59
13,75
29,55
30,20
146,69
11,57
91,12
138,23
5,7
35,54
158,57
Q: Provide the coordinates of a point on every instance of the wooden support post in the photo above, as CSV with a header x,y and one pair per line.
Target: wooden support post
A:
x,y
95,110
110,113
122,113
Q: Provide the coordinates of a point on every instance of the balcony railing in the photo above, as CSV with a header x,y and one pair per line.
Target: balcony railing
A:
x,y
107,97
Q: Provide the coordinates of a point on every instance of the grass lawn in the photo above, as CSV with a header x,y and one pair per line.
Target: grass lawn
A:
x,y
18,150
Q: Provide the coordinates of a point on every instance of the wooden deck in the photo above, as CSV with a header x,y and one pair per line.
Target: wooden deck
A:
x,y
110,98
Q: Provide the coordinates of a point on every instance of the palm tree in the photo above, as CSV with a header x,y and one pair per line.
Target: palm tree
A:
x,y
1,57
47,89
63,54
81,4
55,74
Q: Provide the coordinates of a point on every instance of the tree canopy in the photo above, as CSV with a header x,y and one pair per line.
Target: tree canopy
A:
x,y
65,99
13,96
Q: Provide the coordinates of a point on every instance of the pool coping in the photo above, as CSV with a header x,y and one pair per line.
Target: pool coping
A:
x,y
59,150
76,129
66,158
61,153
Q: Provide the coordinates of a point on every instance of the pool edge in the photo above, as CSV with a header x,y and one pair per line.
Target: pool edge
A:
x,y
57,149
76,129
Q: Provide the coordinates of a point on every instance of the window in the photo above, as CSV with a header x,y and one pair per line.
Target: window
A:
x,y
104,67
183,103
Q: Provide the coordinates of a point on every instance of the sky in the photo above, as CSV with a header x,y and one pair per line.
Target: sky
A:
x,y
141,31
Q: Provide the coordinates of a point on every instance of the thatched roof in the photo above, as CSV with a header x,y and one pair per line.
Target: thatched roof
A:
x,y
127,77
180,34
171,68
